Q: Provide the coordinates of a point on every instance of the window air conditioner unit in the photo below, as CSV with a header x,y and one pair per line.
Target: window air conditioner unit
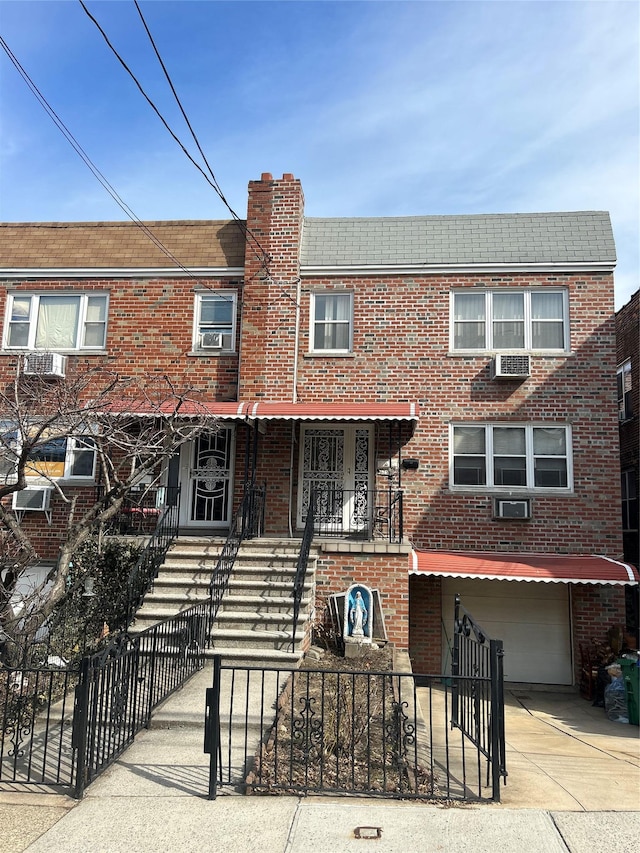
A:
x,y
511,367
45,364
211,340
518,509
32,499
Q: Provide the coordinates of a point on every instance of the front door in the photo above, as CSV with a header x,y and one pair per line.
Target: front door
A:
x,y
207,479
336,461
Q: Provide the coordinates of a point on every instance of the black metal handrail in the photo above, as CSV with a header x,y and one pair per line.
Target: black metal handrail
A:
x,y
146,569
362,513
247,523
302,564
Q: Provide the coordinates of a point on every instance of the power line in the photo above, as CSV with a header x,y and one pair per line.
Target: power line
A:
x,y
213,183
89,163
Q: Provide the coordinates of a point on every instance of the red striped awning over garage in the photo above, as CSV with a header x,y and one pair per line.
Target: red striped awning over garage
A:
x,y
545,568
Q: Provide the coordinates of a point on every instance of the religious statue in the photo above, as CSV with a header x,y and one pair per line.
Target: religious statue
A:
x,y
358,616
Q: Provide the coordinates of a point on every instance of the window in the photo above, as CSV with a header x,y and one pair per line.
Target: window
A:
x,y
629,501
63,457
625,410
332,322
511,457
509,320
215,322
64,321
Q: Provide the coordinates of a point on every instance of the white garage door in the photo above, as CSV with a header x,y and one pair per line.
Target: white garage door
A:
x,y
532,620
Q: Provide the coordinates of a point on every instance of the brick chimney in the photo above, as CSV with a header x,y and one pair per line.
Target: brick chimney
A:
x,y
272,268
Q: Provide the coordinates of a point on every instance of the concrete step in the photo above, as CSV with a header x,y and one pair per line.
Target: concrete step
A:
x,y
254,620
237,638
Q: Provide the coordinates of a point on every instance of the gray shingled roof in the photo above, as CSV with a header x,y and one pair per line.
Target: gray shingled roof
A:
x,y
510,238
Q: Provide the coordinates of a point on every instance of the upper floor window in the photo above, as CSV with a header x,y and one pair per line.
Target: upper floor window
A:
x,y
56,321
629,495
499,456
510,320
625,410
215,321
332,321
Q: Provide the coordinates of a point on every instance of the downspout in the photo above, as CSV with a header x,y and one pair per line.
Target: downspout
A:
x,y
294,399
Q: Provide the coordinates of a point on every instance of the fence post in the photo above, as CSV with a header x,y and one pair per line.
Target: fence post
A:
x,y
455,665
152,678
498,762
212,727
79,726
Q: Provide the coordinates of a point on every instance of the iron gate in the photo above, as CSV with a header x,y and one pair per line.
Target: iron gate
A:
x,y
478,692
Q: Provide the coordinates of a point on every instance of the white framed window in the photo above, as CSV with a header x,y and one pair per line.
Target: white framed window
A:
x,y
331,321
625,410
522,319
61,458
215,321
629,497
508,457
56,321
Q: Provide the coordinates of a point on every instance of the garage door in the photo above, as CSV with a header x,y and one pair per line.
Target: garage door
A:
x,y
532,620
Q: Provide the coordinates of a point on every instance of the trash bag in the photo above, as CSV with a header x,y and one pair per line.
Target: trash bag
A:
x,y
615,701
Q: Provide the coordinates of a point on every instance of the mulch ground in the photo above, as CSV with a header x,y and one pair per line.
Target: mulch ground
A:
x,y
340,728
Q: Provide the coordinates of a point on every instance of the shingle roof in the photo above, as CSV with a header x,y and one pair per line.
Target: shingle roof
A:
x,y
477,239
110,245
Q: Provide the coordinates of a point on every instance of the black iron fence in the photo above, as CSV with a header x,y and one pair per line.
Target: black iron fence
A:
x,y
62,728
362,513
384,734
478,692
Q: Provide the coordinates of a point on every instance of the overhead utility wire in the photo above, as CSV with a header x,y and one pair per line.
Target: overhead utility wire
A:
x,y
247,233
212,183
87,160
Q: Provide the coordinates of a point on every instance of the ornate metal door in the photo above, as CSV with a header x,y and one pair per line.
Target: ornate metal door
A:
x,y
207,470
337,462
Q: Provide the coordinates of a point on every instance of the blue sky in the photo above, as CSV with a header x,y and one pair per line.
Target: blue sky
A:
x,y
380,108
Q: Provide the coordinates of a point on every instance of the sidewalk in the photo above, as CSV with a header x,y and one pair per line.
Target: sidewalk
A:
x,y
574,785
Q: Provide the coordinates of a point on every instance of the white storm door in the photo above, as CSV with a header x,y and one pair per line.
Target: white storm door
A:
x,y
207,480
336,461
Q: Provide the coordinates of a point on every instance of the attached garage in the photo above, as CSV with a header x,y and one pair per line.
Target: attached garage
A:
x,y
532,619
525,600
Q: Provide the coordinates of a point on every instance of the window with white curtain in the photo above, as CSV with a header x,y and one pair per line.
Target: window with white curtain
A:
x,y
56,321
501,456
523,319
332,321
625,387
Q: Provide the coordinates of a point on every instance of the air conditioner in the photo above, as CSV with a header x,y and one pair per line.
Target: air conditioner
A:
x,y
518,509
32,499
211,340
45,364
511,367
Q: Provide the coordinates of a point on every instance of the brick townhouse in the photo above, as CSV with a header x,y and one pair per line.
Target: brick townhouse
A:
x,y
628,380
446,384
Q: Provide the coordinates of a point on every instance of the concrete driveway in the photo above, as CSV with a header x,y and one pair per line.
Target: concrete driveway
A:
x,y
564,754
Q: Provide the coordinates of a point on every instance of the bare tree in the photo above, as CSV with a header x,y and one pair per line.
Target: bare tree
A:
x,y
131,427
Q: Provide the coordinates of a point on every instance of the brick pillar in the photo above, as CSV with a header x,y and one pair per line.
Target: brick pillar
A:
x,y
269,314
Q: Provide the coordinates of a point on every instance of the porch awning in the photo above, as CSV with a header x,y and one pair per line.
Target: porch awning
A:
x,y
182,408
269,411
334,411
545,568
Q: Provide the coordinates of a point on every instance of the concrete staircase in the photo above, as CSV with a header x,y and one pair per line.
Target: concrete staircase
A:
x,y
255,622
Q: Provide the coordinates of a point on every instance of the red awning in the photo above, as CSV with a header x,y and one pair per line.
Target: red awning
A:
x,y
545,568
269,410
185,408
334,411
